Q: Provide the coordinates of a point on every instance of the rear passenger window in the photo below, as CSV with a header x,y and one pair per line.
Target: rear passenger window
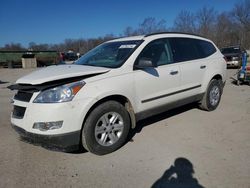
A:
x,y
184,49
206,47
187,49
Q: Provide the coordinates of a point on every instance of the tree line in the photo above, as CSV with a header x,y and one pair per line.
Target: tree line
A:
x,y
224,28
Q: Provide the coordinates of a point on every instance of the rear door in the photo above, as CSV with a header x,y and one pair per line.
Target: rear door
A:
x,y
192,67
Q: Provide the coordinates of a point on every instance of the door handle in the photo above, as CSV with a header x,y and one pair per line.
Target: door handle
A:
x,y
173,72
203,66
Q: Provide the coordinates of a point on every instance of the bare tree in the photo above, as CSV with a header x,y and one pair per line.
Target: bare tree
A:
x,y
149,25
206,22
185,22
13,47
241,14
58,47
226,28
38,47
227,31
129,31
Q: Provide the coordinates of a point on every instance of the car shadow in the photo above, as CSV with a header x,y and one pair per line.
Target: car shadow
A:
x,y
234,81
3,82
80,150
148,121
178,175
156,118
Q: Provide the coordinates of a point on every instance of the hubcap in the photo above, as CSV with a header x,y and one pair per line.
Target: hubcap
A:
x,y
109,128
214,95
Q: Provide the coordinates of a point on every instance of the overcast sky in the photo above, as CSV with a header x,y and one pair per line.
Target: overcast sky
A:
x,y
52,21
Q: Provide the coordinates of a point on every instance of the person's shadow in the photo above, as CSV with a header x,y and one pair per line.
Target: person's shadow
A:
x,y
179,175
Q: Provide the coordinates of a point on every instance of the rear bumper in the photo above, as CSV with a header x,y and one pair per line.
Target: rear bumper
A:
x,y
63,142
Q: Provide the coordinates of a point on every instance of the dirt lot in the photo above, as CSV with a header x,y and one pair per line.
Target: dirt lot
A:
x,y
216,144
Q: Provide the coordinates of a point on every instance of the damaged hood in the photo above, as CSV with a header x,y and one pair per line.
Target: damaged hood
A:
x,y
56,72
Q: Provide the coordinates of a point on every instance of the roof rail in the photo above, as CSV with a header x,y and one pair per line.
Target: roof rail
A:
x,y
157,33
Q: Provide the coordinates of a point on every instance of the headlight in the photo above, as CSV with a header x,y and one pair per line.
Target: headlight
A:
x,y
59,94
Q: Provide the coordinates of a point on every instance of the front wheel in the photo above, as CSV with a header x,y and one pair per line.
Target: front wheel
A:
x,y
106,128
211,98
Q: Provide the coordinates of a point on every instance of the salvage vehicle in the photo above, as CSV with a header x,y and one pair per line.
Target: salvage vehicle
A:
x,y
98,99
232,55
70,56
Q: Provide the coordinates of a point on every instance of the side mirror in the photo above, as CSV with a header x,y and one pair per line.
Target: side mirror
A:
x,y
144,63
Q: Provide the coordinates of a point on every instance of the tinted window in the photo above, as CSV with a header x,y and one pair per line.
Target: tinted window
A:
x,y
206,47
186,49
230,50
158,52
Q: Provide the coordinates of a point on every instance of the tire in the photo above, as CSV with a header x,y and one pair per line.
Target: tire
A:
x,y
212,97
106,128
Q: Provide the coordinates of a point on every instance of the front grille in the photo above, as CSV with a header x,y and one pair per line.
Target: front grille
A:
x,y
229,58
23,96
18,112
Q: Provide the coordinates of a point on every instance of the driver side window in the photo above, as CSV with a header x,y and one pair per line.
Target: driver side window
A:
x,y
158,52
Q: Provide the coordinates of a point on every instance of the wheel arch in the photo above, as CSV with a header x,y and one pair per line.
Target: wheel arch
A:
x,y
207,80
118,98
217,77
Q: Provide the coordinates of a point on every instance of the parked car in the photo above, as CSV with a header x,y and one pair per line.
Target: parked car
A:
x,y
70,56
233,55
96,101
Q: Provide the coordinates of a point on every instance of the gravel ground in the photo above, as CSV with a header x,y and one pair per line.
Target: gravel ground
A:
x,y
213,146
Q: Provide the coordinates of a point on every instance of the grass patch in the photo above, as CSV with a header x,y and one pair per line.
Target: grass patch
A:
x,y
10,57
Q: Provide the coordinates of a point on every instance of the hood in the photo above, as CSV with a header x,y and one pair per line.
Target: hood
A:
x,y
58,72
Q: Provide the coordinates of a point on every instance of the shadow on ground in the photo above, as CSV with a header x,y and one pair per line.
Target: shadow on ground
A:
x,y
3,82
156,118
148,121
178,175
236,82
52,148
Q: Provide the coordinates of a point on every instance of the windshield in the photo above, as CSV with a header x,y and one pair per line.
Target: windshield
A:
x,y
111,54
231,50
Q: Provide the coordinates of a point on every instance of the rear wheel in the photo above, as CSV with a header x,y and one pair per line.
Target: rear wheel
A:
x,y
106,128
211,98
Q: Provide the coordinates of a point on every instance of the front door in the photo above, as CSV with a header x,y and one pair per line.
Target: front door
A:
x,y
157,86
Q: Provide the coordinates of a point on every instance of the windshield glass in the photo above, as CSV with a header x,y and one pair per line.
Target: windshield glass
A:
x,y
111,54
230,50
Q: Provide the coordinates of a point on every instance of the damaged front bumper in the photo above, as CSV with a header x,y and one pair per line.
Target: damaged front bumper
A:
x,y
64,142
52,125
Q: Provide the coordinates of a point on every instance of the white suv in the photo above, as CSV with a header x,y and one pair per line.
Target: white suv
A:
x,y
95,101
